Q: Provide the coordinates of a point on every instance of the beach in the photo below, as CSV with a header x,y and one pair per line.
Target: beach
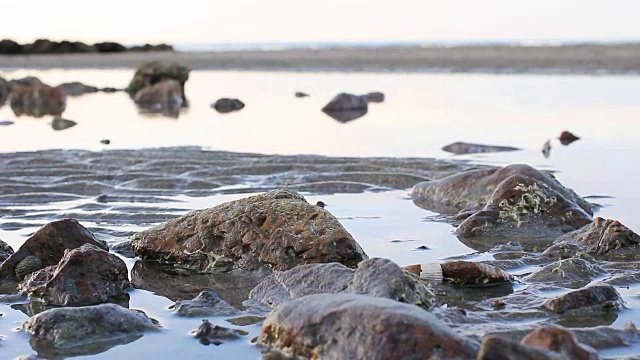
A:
x,y
566,59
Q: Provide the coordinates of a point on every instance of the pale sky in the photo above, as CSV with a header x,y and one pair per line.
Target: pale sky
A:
x,y
248,21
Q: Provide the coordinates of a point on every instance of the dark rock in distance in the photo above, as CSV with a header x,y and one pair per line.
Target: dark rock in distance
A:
x,y
10,47
59,123
594,295
278,229
87,275
109,47
105,141
346,102
226,105
77,88
461,148
300,94
349,326
346,115
567,138
73,331
374,97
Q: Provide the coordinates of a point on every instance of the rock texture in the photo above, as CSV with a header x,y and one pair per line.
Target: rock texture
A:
x,y
87,275
348,326
59,123
278,229
604,237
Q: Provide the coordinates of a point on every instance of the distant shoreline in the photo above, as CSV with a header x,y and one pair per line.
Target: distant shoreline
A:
x,y
622,59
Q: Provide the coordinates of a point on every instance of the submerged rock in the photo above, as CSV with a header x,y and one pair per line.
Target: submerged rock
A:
x,y
207,303
48,244
349,326
374,97
37,100
59,123
605,237
73,331
214,334
151,73
460,148
573,273
278,229
164,97
226,105
567,138
595,295
525,207
561,341
77,89
86,275
471,190
473,273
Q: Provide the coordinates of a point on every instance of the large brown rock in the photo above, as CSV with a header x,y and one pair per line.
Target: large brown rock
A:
x,y
604,237
349,326
278,229
473,273
525,207
151,73
561,341
37,100
47,246
86,275
595,295
473,189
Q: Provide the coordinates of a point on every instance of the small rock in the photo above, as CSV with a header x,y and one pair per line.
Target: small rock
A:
x,y
37,100
77,89
213,334
374,97
207,303
163,94
345,102
321,204
105,141
473,273
245,320
598,294
124,248
59,123
104,198
497,348
561,341
150,73
461,148
27,266
546,149
226,105
567,138
299,94
5,251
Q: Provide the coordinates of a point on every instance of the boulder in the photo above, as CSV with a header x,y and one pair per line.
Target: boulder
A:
x,y
26,81
226,105
73,331
109,47
10,47
374,97
595,295
461,148
560,341
37,100
207,303
164,93
278,229
86,275
153,72
567,138
605,238
59,123
472,189
47,246
522,206
76,88
350,326
346,102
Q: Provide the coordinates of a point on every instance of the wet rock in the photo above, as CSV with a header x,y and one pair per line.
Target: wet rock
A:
x,y
109,47
473,273
561,341
5,88
278,229
37,100
77,89
349,326
300,94
164,97
207,303
604,337
5,251
471,190
573,273
374,277
72,331
26,81
44,46
10,47
546,149
150,47
562,250
84,276
59,123
226,105
49,244
245,320
27,266
124,248
105,141
523,206
460,148
346,102
150,73
214,334
567,138
374,97
604,237
497,348
595,295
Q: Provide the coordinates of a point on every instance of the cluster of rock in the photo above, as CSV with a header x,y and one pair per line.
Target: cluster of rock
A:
x,y
44,46
158,87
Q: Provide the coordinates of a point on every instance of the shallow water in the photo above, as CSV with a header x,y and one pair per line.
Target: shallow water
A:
x,y
421,113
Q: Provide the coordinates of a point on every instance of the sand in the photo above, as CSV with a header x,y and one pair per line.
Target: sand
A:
x,y
578,59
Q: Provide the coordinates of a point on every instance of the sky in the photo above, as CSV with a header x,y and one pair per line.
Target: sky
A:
x,y
253,21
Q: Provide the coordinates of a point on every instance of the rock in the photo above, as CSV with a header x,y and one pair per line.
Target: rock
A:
x,y
598,294
123,248
561,250
27,266
278,229
37,100
6,122
109,47
59,123
346,102
497,348
347,115
213,334
524,207
73,331
5,251
162,94
567,138
207,303
546,149
49,244
374,277
460,148
473,273
26,81
77,88
87,275
299,94
105,141
573,273
5,89
10,47
149,47
44,46
226,105
349,326
150,73
605,237
245,320
561,341
472,189
374,97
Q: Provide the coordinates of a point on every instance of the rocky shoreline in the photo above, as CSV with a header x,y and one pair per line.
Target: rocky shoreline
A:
x,y
275,259
44,46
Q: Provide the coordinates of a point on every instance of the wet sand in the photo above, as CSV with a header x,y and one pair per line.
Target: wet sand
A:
x,y
574,59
